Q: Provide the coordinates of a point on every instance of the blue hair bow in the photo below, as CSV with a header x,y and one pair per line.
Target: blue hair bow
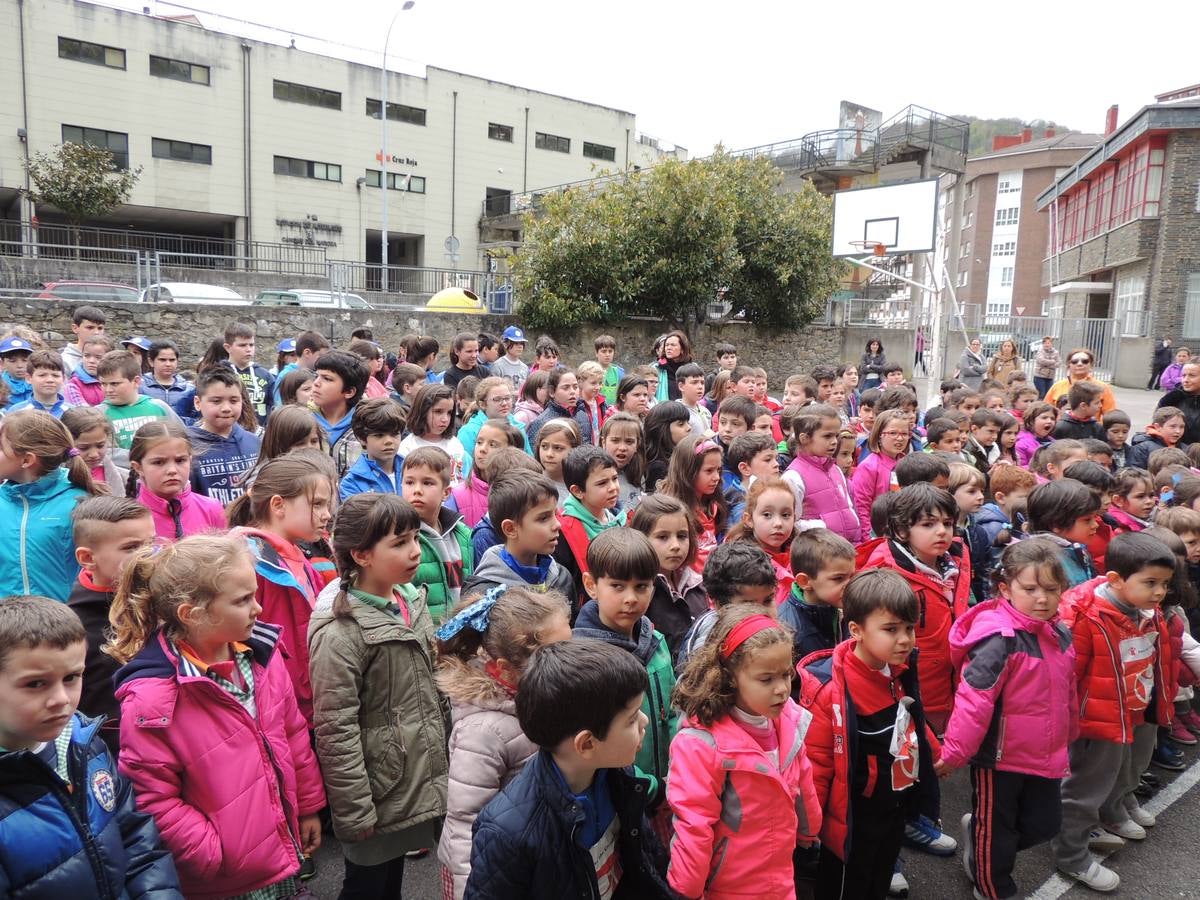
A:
x,y
475,616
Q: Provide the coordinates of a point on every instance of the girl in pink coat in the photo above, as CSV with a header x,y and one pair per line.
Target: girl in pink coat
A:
x,y
889,440
160,457
211,736
740,785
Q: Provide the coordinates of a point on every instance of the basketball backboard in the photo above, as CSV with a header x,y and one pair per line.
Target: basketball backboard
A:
x,y
901,217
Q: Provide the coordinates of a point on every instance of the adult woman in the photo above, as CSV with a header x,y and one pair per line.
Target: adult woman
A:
x,y
874,361
1004,363
1045,366
1079,368
919,355
971,365
676,352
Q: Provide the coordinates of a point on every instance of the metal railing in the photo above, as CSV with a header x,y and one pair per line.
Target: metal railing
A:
x,y
410,286
841,309
70,252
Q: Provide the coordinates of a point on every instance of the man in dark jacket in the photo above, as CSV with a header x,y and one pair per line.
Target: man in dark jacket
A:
x,y
1162,359
1186,398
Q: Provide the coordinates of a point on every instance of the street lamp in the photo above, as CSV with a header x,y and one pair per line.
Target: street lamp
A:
x,y
383,179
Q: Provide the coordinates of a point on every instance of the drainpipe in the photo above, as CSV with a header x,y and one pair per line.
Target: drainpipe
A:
x,y
525,172
453,158
246,164
26,203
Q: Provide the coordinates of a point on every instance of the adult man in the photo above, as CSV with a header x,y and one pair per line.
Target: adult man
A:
x,y
1186,398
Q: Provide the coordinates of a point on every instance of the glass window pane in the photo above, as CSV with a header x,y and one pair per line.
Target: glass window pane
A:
x,y
373,177
334,172
72,134
200,74
68,48
181,70
417,184
280,90
115,58
373,108
91,52
202,153
159,148
299,168
118,141
281,165
318,170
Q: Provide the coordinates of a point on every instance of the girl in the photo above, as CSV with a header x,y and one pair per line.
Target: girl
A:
x,y
621,438
968,487
163,381
215,355
837,399
482,652
666,425
532,398
44,477
285,355
1037,432
1133,501
633,396
740,783
848,376
161,456
562,402
847,452
694,478
1024,704
288,428
720,389
679,594
1010,430
211,737
429,426
93,436
296,387
493,400
557,438
820,488
889,439
469,499
372,358
379,728
291,500
770,522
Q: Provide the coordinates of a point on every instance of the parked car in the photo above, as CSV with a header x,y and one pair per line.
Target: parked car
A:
x,y
188,292
306,297
94,291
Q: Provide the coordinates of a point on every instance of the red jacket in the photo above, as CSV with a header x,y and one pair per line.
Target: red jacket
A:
x,y
1098,545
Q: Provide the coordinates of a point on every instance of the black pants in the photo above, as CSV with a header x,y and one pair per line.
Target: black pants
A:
x,y
1155,374
1010,812
874,846
381,882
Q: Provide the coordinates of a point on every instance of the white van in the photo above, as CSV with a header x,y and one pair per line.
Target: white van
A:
x,y
306,297
187,292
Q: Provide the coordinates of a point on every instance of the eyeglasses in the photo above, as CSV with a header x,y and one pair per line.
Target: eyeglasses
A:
x,y
1079,360
893,434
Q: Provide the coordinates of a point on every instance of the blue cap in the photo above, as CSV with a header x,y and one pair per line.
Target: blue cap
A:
x,y
15,345
142,343
287,345
515,334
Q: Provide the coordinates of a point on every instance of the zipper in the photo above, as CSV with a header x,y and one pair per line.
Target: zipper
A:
x,y
593,885
68,800
24,531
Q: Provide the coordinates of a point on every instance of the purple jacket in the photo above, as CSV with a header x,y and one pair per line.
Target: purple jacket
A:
x,y
1015,709
872,478
1027,445
826,495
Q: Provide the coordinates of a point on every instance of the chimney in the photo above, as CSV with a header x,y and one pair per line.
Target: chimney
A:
x,y
1050,132
1110,120
1026,135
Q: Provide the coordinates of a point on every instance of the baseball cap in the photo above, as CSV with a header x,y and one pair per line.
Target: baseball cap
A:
x,y
142,343
515,334
287,345
15,345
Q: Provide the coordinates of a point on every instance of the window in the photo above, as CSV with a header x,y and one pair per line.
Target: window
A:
x,y
310,96
397,112
500,132
1006,186
1007,216
177,69
1006,276
962,278
970,220
114,141
96,54
553,142
1191,308
306,168
1131,306
598,151
965,250
397,181
161,148
1004,248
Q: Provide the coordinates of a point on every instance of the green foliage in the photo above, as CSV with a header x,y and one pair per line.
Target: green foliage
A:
x,y
983,130
663,242
80,180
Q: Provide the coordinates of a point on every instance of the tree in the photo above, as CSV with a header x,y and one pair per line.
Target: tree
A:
x,y
668,241
80,180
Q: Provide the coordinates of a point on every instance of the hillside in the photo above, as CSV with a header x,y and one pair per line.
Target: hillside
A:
x,y
983,130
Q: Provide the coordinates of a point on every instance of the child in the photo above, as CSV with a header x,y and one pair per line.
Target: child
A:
x,y
14,354
289,427
1065,512
1165,430
741,786
482,652
185,624
750,456
1015,713
1172,375
847,454
45,381
694,477
1084,401
621,569
679,594
944,436
562,401
1057,456
690,378
163,381
591,476
161,457
447,557
1116,432
933,468
867,741
605,346
580,702
1001,520
295,388
734,416
665,425
290,501
68,823
405,380
285,355
557,438
429,426
822,563
377,425
1133,500
339,385
470,497
510,366
1010,429
493,400
120,373
92,435
464,360
1099,452
589,374
1180,531
968,487
889,440
86,322
260,384
982,448
545,354
370,643
531,400
770,522
821,491
83,384
310,346
1021,397
866,410
226,449
1120,638
44,477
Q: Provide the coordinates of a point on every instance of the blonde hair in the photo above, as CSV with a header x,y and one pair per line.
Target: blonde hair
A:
x,y
963,474
589,369
49,440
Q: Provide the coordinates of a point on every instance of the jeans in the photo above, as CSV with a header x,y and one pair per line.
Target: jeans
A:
x,y
1043,386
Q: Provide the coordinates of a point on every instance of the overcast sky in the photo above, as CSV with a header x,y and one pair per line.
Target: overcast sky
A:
x,y
758,71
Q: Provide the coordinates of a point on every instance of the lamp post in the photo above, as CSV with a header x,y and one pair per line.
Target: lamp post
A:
x,y
383,161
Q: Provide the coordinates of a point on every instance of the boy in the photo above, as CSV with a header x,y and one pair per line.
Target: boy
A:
x,y
606,351
489,349
378,425
120,372
508,463
46,381
824,376
727,357
854,693
310,346
981,449
1085,401
744,382
916,468
510,365
85,322
1116,432
690,379
545,354
1065,512
406,378
1166,429
622,566
590,475
1002,519
107,531
581,703
341,381
735,416
447,558
1059,454
893,375
464,362
1099,452
822,562
83,385
794,393
943,435
225,449
590,375
751,455
260,384
1120,640
760,391
68,823
736,572
15,353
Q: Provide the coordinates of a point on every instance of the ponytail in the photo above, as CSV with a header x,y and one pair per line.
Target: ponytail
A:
x,y
131,614
131,484
79,474
37,432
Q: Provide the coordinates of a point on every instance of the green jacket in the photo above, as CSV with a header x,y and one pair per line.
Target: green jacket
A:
x,y
447,561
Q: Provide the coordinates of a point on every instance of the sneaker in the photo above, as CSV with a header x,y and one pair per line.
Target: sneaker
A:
x,y
1097,877
1191,719
1129,830
1151,779
976,895
924,835
1166,758
899,885
417,854
1141,817
968,852
1180,734
308,868
1104,841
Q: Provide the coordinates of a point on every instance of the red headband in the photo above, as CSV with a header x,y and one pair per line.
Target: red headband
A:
x,y
744,630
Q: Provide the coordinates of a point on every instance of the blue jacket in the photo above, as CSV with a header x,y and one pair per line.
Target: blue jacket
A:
x,y
180,395
89,843
365,477
525,840
18,391
221,462
276,400
37,546
989,522
483,536
815,626
260,386
60,406
469,433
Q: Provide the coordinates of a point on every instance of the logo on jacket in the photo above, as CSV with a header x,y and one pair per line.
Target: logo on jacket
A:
x,y
104,789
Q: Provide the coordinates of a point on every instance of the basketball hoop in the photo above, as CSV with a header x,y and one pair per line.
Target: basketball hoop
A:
x,y
872,247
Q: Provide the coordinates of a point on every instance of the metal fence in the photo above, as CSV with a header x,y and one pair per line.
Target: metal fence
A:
x,y
1101,336
410,286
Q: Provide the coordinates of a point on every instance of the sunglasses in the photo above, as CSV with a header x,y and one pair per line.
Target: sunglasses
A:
x,y
1079,360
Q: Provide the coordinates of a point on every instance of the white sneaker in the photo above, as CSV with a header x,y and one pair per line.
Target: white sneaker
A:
x,y
1141,817
967,846
899,885
1104,841
1129,830
1097,877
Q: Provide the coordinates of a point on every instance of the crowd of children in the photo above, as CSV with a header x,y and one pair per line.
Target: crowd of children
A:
x,y
588,632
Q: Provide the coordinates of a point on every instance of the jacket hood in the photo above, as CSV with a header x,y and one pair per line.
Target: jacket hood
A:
x,y
155,661
322,612
240,439
1143,438
989,514
492,567
588,625
447,519
468,687
83,375
335,430
995,616
52,484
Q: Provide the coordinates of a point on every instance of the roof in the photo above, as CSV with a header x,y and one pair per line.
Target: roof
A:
x,y
1069,140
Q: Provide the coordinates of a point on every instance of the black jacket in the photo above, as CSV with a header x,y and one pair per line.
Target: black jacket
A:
x,y
815,626
1139,449
1070,427
99,698
1189,405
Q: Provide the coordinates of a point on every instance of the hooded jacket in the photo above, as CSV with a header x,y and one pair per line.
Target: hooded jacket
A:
x,y
37,543
1077,562
365,477
447,560
675,604
988,523
553,411
260,387
180,394
222,461
83,389
188,513
1028,444
525,412
827,496
232,821
493,570
470,500
1139,449
872,478
815,626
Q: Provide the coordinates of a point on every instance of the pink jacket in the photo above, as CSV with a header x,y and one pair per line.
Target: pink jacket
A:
x,y
197,513
1027,445
826,495
1015,709
737,816
225,789
872,478
471,500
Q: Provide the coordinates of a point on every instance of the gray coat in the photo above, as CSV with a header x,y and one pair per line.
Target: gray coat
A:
x,y
971,368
